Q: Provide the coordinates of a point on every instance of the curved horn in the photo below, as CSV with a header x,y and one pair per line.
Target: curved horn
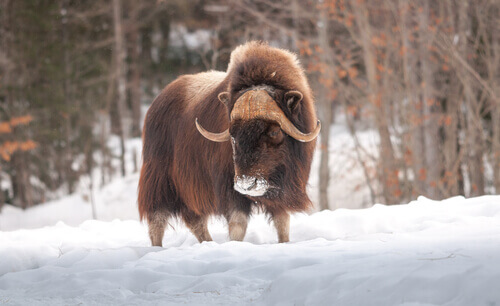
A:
x,y
258,104
217,137
292,131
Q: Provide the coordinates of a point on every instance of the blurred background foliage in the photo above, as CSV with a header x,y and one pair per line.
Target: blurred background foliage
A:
x,y
423,75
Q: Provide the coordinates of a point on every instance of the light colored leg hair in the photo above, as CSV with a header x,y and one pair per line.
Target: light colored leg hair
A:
x,y
237,223
282,224
157,224
198,226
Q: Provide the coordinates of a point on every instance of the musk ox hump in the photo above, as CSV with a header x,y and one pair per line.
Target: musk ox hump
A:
x,y
200,84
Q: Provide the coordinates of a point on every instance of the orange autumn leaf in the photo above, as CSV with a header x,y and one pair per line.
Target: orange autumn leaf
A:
x,y
402,50
422,174
408,157
21,120
27,145
332,94
378,41
376,100
5,128
9,147
4,155
304,47
353,72
327,82
342,73
349,20
448,120
352,110
397,193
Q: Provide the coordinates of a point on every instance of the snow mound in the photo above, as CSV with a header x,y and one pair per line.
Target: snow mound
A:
x,y
423,253
117,199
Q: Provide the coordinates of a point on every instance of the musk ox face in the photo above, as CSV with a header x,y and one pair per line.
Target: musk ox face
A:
x,y
258,130
258,153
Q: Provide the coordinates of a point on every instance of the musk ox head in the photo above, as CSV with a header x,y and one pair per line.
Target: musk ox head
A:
x,y
260,106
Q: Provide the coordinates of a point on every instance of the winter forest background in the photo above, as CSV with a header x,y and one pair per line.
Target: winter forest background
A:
x,y
410,89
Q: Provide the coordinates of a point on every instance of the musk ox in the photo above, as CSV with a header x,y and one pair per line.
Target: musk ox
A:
x,y
202,157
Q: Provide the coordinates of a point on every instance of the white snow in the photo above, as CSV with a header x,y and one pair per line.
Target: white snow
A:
x,y
116,200
250,185
423,253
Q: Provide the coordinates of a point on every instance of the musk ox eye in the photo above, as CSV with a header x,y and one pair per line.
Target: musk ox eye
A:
x,y
275,136
274,133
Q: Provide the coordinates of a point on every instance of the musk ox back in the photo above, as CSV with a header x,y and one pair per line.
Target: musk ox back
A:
x,y
220,143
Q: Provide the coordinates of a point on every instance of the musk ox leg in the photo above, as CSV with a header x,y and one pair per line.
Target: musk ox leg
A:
x,y
237,222
157,223
198,226
281,221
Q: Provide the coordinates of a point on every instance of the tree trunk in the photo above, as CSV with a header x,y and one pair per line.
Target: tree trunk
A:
x,y
413,112
494,81
473,122
121,80
5,79
325,105
452,152
324,169
103,119
68,93
2,197
135,70
452,159
433,161
496,144
389,172
475,147
22,185
19,174
106,129
89,165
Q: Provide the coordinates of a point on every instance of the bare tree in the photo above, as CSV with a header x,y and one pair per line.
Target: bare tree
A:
x,y
135,66
121,77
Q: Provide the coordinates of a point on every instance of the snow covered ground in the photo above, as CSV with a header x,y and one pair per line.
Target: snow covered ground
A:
x,y
423,253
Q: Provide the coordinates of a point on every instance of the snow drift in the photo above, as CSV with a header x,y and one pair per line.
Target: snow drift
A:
x,y
423,253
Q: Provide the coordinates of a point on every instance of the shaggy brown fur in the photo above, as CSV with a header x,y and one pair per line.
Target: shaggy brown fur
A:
x,y
185,175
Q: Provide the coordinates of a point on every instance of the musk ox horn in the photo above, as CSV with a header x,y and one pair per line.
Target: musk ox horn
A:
x,y
291,130
259,104
217,137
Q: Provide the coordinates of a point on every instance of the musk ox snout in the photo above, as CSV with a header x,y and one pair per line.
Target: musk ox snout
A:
x,y
251,185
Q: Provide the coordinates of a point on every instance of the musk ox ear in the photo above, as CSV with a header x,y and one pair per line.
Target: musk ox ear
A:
x,y
292,99
224,97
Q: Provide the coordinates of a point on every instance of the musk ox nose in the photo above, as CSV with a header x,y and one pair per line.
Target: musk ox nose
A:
x,y
250,185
